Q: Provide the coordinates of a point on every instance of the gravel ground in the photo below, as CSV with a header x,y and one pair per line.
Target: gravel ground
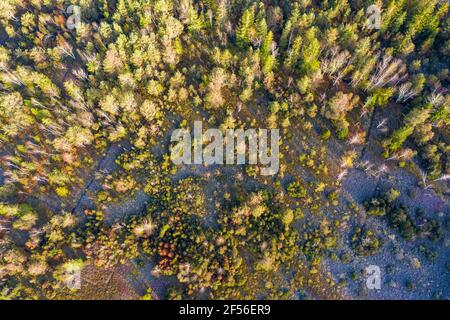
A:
x,y
105,166
135,205
430,280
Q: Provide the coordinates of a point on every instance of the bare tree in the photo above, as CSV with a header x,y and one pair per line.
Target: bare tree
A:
x,y
80,74
405,92
436,99
388,71
335,64
444,177
342,175
382,123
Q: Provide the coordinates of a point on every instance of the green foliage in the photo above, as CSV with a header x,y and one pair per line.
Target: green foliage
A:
x,y
246,27
399,137
325,135
365,242
392,195
379,98
86,115
148,295
310,52
296,190
288,217
400,220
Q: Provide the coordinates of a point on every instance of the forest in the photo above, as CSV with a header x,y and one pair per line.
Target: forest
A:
x,y
92,207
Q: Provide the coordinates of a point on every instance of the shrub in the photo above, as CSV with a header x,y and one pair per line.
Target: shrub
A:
x,y
365,242
296,190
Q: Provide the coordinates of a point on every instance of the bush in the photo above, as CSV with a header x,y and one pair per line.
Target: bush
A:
x,y
296,190
365,242
401,221
376,207
392,195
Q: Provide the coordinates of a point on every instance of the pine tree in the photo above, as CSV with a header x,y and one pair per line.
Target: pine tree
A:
x,y
294,53
310,52
246,24
267,57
